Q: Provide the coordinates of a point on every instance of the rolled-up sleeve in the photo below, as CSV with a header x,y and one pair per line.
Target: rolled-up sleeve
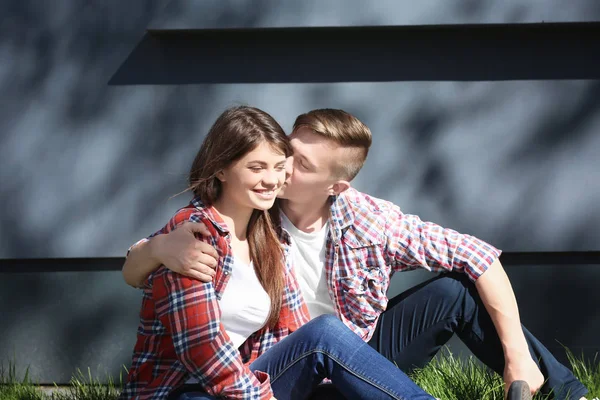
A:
x,y
413,243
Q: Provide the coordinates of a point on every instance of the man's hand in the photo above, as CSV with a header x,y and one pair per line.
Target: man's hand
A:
x,y
181,252
525,369
499,300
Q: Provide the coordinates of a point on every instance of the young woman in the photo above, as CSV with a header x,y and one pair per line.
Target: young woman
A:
x,y
223,339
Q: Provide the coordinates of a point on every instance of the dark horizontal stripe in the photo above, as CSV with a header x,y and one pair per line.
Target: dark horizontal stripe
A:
x,y
550,258
365,54
36,265
29,265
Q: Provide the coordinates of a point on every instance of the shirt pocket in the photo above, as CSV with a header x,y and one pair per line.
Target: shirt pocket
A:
x,y
363,277
364,298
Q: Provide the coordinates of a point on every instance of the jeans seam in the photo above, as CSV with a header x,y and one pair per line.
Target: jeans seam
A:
x,y
343,365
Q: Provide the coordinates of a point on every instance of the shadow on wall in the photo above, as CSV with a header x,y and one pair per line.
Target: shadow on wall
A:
x,y
511,162
69,137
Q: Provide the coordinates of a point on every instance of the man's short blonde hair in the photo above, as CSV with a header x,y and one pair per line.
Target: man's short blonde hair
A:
x,y
343,129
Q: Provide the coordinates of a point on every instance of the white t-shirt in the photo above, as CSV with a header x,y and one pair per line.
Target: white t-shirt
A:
x,y
245,305
308,256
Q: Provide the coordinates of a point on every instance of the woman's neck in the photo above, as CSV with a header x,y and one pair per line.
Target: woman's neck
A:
x,y
236,218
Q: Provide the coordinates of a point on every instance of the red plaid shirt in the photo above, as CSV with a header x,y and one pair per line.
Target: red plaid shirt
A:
x,y
180,335
371,239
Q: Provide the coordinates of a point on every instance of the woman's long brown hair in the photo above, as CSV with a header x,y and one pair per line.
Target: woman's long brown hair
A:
x,y
235,133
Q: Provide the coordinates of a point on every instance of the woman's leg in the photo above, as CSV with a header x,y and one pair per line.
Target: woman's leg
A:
x,y
326,348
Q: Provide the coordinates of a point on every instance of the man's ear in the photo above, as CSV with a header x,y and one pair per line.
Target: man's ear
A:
x,y
221,176
338,187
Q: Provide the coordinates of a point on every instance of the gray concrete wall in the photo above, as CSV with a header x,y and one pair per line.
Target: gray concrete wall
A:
x,y
87,169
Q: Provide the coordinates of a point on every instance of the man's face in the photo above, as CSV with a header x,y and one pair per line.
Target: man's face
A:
x,y
313,163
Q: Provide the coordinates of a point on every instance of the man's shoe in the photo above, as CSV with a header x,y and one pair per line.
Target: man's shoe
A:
x,y
519,390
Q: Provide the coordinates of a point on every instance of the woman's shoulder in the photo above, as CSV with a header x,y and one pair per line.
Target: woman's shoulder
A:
x,y
190,213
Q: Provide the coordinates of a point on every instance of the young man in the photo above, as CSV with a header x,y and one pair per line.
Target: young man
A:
x,y
347,245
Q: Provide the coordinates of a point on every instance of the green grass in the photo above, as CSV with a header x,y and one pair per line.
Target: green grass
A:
x,y
84,387
13,389
446,377
451,378
588,373
81,387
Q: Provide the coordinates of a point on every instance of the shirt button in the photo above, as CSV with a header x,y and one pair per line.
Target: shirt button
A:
x,y
226,272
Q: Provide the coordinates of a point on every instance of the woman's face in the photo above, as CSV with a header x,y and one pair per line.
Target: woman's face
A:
x,y
255,180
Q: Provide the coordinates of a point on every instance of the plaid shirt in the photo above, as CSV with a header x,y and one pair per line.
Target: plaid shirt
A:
x,y
370,239
180,335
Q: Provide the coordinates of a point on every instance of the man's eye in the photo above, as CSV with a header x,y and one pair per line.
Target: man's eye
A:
x,y
280,168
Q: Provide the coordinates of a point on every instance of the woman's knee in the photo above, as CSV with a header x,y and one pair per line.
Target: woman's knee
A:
x,y
327,321
328,325
328,333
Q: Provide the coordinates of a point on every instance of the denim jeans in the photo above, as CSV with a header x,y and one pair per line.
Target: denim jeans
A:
x,y
421,320
326,348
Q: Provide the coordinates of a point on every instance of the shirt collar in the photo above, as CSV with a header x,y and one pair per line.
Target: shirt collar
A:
x,y
220,225
342,212
212,215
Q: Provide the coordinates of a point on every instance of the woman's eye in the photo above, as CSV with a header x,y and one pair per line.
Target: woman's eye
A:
x,y
255,169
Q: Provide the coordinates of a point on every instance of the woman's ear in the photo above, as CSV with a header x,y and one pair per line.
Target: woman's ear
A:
x,y
221,176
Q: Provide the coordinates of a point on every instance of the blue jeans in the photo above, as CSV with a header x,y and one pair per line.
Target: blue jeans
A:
x,y
326,348
421,320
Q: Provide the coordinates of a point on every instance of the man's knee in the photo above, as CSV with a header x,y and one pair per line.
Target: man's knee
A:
x,y
453,286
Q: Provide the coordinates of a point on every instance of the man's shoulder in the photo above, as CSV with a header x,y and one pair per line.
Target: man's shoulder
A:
x,y
367,217
365,203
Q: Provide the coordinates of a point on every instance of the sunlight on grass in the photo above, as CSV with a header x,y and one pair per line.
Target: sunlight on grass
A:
x,y
81,387
449,378
588,373
13,389
84,387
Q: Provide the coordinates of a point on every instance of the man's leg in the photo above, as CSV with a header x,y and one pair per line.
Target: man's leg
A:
x,y
326,348
421,320
192,391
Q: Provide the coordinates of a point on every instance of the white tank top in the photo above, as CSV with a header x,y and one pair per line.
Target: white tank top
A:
x,y
245,305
